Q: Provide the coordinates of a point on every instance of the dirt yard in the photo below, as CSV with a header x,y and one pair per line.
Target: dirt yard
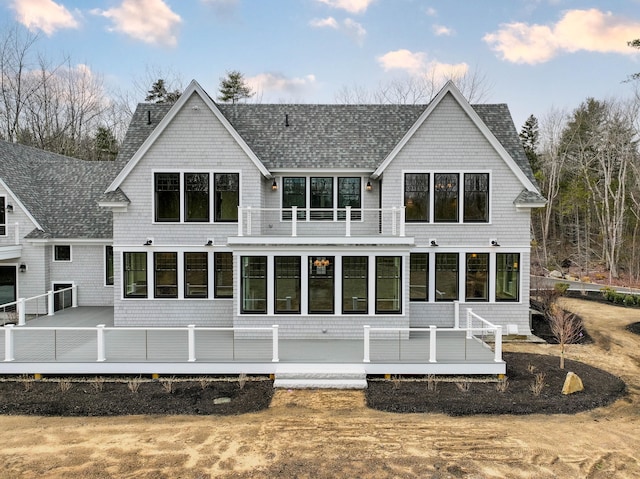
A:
x,y
311,434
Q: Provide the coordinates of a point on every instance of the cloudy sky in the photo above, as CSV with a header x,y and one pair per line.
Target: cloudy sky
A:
x,y
534,54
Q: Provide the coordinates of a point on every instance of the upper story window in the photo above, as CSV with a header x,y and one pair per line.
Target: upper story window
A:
x,y
324,197
190,192
439,196
3,216
62,252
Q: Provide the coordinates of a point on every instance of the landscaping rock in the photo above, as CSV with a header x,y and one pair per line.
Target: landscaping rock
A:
x,y
572,384
556,274
221,400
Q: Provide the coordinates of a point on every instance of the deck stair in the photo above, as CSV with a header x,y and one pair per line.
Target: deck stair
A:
x,y
320,376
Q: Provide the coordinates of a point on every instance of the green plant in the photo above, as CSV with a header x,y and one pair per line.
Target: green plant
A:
x,y
561,288
629,300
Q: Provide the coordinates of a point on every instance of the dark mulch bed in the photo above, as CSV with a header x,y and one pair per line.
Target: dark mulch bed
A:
x,y
541,328
634,328
410,396
46,397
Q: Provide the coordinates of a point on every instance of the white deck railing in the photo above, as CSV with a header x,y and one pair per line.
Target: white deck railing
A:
x,y
42,304
85,344
477,329
296,221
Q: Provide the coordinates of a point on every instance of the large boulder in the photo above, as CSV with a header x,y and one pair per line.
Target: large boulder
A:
x,y
572,384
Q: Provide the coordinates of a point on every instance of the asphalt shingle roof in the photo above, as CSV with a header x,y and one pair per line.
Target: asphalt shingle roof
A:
x,y
60,192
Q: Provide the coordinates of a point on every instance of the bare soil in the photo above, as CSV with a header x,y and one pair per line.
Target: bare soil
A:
x,y
332,434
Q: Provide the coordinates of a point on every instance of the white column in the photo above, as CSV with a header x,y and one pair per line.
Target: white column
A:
x,y
275,358
50,303
101,346
432,344
74,296
498,344
347,226
294,221
403,211
191,335
8,342
21,312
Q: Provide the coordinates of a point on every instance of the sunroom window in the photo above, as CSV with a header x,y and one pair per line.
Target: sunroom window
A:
x,y
419,277
477,279
254,284
135,275
507,276
321,284
446,276
223,275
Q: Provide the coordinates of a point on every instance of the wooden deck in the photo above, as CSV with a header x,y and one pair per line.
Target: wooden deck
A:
x,y
67,344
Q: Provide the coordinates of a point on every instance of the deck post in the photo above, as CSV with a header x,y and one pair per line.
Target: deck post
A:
x,y
21,312
249,220
394,221
347,226
8,342
498,344
403,213
432,344
191,335
275,358
50,308
240,221
100,339
294,221
456,314
469,323
367,344
74,296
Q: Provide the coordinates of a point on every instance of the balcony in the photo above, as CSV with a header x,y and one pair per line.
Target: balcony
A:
x,y
313,226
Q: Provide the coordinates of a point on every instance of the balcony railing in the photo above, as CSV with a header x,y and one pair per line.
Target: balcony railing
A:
x,y
40,305
345,222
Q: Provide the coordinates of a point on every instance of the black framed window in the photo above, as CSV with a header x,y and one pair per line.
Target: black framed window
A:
x,y
165,266
196,275
321,191
477,277
196,197
355,283
167,197
349,194
416,197
108,265
227,196
223,275
287,284
62,252
476,197
135,275
254,284
294,193
321,284
507,277
419,277
446,276
445,197
388,284
3,216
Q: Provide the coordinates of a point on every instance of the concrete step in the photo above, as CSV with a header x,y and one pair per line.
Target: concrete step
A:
x,y
320,383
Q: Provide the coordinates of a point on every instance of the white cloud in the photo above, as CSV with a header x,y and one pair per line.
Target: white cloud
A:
x,y
431,12
328,22
151,21
45,15
403,60
441,30
588,30
223,8
351,6
278,84
348,26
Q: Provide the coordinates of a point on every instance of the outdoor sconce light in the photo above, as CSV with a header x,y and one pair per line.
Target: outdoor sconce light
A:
x,y
274,186
22,268
369,187
494,243
209,243
433,242
9,208
149,242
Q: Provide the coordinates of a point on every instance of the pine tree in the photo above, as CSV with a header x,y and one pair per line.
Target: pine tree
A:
x,y
529,136
159,93
233,88
634,44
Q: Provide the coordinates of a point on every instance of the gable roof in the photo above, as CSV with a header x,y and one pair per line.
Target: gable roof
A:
x,y
58,193
193,89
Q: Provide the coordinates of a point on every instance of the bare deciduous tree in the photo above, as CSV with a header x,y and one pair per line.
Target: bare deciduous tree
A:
x,y
566,327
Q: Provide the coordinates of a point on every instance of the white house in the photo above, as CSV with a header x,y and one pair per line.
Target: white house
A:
x,y
322,219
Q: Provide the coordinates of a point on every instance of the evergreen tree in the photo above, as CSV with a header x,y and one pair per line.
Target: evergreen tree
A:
x,y
529,136
159,93
106,144
634,44
233,88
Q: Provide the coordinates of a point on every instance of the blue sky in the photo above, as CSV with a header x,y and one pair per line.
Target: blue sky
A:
x,y
535,55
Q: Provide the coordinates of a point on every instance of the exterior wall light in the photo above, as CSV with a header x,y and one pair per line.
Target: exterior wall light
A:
x,y
274,186
22,268
369,187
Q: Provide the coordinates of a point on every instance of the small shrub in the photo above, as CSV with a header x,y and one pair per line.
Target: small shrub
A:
x,y
561,288
538,384
134,385
608,293
618,298
586,279
97,383
167,384
204,383
531,368
27,382
629,300
432,385
463,386
64,385
502,385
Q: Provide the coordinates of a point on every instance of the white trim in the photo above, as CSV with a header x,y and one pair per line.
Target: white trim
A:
x,y
193,89
69,241
450,88
17,201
